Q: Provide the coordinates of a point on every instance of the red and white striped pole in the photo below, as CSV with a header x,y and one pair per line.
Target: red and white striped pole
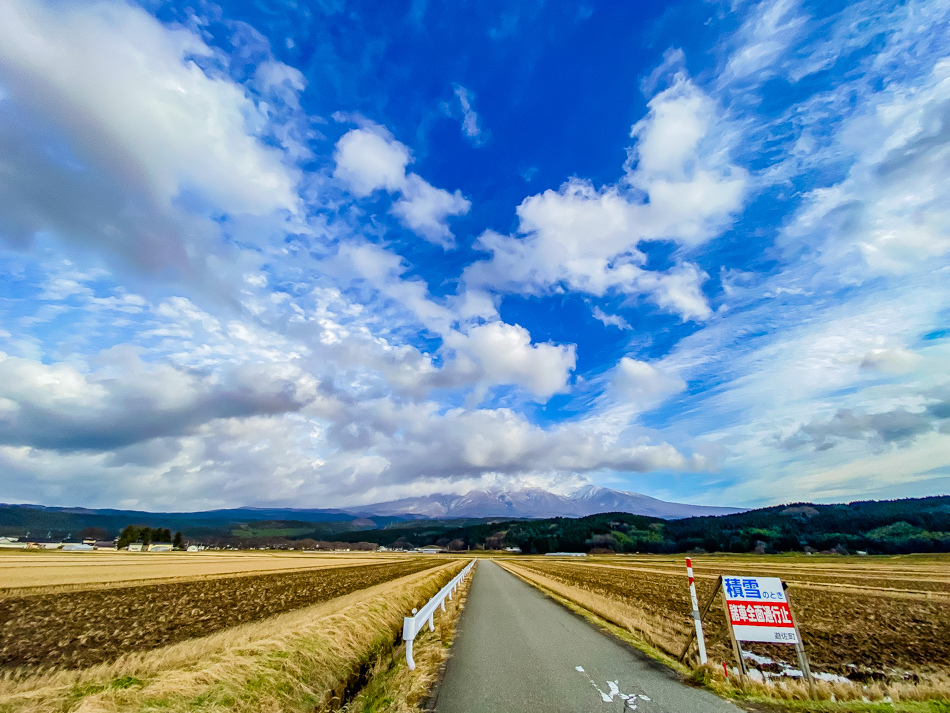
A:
x,y
696,618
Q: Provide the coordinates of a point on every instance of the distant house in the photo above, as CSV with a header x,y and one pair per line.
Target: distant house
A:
x,y
429,550
11,543
135,546
104,545
192,548
516,550
160,547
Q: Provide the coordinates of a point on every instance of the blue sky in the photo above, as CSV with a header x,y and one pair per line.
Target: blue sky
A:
x,y
332,253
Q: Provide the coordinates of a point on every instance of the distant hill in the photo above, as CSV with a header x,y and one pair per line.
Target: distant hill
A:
x,y
240,522
891,527
259,522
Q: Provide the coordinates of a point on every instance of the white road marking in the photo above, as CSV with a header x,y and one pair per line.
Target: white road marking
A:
x,y
613,691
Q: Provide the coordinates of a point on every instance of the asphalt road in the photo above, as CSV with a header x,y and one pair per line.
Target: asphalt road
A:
x,y
519,652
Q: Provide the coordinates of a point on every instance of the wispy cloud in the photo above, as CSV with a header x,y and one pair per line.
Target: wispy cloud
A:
x,y
471,122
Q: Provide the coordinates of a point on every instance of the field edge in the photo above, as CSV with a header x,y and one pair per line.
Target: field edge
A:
x,y
754,698
311,659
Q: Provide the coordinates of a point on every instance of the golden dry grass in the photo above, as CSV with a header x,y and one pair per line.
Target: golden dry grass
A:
x,y
860,616
297,661
935,689
903,574
26,572
393,687
85,628
661,637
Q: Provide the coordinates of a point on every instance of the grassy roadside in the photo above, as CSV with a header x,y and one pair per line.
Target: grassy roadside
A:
x,y
784,697
306,660
393,688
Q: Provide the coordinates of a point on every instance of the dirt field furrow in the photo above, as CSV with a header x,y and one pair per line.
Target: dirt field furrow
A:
x,y
849,627
88,627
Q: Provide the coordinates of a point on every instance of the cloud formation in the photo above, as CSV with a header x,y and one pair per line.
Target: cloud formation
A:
x,y
370,159
113,124
743,274
506,356
678,186
60,408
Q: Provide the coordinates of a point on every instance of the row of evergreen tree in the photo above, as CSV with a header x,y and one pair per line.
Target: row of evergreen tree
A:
x,y
148,536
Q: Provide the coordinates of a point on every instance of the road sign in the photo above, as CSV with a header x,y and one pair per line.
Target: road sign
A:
x,y
758,610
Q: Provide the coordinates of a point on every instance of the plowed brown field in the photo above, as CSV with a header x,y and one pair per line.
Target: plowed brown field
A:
x,y
77,629
30,571
859,618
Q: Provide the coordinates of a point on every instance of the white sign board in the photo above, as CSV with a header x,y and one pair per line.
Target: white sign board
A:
x,y
758,610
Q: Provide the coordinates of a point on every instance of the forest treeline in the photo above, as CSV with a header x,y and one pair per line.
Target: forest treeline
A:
x,y
876,527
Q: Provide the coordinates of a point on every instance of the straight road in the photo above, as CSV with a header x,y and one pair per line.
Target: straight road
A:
x,y
519,652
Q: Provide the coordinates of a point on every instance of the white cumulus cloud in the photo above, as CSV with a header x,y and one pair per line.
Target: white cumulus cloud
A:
x,y
369,159
678,186
642,383
506,356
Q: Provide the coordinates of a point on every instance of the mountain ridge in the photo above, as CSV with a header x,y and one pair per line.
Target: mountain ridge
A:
x,y
535,503
522,503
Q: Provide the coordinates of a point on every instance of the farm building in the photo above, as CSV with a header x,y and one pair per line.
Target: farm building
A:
x,y
566,554
160,547
77,547
135,546
11,543
104,545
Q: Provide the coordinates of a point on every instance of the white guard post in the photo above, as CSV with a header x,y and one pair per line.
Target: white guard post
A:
x,y
411,625
697,619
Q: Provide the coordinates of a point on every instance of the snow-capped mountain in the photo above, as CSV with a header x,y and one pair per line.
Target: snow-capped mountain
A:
x,y
538,503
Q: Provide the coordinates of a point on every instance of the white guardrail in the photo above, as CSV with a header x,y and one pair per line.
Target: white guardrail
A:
x,y
412,625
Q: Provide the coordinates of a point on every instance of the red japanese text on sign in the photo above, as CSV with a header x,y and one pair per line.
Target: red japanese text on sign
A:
x,y
758,610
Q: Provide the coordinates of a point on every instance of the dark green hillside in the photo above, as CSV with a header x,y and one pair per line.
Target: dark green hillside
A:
x,y
890,527
886,527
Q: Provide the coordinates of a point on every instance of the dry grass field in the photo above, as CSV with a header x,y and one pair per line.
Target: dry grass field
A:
x,y
866,618
305,660
98,624
71,570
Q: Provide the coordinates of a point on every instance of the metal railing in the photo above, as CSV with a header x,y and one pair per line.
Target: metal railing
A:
x,y
412,625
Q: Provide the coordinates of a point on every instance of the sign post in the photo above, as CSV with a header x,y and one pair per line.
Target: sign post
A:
x,y
736,650
800,650
758,609
702,615
697,618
